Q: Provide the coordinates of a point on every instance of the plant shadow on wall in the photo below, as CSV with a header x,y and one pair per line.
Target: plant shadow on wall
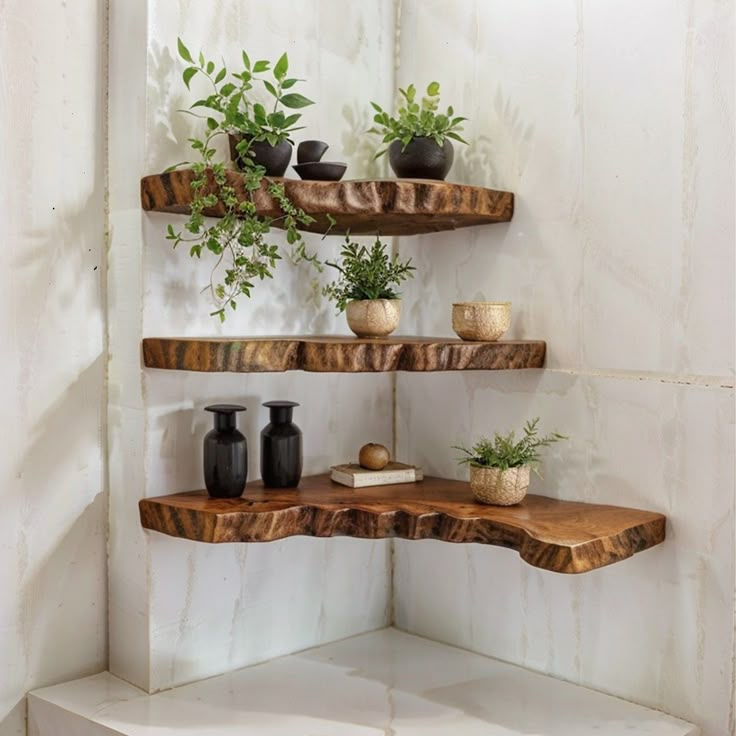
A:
x,y
499,158
168,129
356,145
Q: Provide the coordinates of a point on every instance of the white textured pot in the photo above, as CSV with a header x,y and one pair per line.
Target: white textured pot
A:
x,y
499,487
374,317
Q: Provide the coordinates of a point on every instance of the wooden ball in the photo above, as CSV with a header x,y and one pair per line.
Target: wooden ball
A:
x,y
373,456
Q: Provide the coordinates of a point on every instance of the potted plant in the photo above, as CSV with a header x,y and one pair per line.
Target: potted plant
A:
x,y
255,134
239,239
365,289
499,468
418,138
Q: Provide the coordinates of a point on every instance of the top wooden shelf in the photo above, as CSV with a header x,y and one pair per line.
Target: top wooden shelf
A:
x,y
364,207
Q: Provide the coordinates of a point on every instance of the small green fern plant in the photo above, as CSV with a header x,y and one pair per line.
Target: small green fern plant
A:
x,y
505,452
366,274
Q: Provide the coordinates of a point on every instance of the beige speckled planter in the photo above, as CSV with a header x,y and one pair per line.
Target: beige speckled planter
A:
x,y
499,487
481,321
374,317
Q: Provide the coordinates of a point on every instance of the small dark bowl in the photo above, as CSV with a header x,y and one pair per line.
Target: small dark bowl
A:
x,y
310,151
321,170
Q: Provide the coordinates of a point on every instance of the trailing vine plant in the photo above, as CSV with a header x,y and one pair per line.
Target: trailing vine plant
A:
x,y
240,239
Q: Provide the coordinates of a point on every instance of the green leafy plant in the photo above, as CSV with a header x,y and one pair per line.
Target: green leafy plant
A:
x,y
505,452
417,119
232,105
240,239
366,274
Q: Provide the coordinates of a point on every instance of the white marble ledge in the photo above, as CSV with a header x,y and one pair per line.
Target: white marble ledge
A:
x,y
386,682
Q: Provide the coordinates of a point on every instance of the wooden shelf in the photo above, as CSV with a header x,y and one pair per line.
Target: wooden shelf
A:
x,y
385,206
336,354
561,536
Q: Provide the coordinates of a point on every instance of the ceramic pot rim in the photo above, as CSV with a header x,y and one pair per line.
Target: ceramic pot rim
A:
x,y
481,304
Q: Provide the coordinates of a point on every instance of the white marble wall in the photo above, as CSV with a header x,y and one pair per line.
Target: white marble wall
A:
x,y
182,611
52,263
613,123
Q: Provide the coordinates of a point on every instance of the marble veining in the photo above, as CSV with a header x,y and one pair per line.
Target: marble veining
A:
x,y
387,682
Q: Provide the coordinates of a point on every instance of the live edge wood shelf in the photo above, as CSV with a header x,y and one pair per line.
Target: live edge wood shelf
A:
x,y
561,536
326,354
385,206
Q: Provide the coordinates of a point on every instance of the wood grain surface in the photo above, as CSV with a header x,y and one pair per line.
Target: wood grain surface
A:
x,y
337,354
385,206
561,536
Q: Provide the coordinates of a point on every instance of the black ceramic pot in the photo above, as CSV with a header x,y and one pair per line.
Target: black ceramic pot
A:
x,y
281,447
274,159
225,454
421,159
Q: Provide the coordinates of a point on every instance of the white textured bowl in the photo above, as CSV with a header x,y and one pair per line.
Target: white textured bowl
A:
x,y
481,321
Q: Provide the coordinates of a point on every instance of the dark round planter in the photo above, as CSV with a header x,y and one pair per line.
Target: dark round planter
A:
x,y
274,159
225,454
421,159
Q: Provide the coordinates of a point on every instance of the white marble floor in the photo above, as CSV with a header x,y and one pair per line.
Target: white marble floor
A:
x,y
387,683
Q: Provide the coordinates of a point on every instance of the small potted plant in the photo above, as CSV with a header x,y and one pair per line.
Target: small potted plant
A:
x,y
240,240
255,134
365,288
499,468
418,138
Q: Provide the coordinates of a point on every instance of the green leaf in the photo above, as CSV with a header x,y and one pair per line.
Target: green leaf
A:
x,y
189,72
289,121
210,67
261,66
282,66
184,51
259,113
212,123
220,75
456,137
246,61
294,101
270,88
288,83
227,89
433,89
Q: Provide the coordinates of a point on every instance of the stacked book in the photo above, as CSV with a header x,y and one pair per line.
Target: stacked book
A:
x,y
356,477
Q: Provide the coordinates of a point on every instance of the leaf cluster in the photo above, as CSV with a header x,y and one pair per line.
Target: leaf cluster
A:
x,y
240,239
233,105
505,452
417,119
366,274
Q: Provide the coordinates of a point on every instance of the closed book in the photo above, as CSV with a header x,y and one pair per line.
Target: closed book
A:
x,y
356,477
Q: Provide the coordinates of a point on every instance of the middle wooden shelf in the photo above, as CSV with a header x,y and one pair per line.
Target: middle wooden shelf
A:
x,y
561,536
338,354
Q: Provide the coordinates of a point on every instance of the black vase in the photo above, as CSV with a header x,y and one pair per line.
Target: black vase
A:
x,y
281,447
225,454
421,159
274,159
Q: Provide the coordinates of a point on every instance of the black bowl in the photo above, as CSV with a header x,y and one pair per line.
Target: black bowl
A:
x,y
321,170
310,151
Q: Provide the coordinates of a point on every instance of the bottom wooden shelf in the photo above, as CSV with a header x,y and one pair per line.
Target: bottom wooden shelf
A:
x,y
562,536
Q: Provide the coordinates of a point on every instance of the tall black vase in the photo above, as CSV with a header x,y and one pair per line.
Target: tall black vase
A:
x,y
225,454
281,447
